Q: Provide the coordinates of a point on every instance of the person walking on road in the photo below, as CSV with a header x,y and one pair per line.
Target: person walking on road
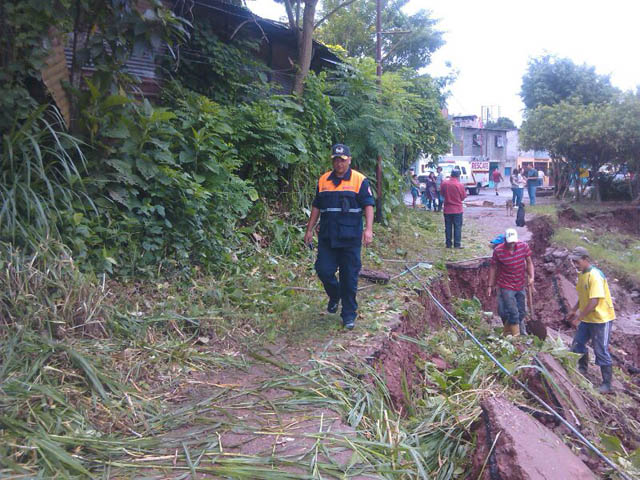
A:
x,y
496,176
511,271
439,179
593,316
517,187
532,184
342,195
453,193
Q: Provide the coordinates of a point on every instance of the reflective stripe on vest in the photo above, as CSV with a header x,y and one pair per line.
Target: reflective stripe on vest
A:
x,y
351,185
351,210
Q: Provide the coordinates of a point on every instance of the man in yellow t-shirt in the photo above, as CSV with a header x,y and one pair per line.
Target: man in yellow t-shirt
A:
x,y
593,316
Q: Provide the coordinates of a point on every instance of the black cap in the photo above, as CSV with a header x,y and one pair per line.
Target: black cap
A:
x,y
455,172
340,150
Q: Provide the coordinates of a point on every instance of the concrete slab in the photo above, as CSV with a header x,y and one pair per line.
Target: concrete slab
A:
x,y
523,448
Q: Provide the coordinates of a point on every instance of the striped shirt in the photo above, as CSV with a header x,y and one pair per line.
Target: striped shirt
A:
x,y
511,266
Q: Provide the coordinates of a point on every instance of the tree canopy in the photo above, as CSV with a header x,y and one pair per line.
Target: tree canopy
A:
x,y
578,116
550,80
502,122
408,41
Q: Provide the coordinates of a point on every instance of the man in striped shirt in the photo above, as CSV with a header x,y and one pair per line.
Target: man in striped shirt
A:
x,y
511,264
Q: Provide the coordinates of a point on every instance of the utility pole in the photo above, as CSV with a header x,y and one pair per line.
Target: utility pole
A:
x,y
378,217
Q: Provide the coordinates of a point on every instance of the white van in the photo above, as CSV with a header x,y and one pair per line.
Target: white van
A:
x,y
467,178
422,167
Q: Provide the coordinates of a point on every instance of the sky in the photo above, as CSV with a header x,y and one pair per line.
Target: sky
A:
x,y
489,44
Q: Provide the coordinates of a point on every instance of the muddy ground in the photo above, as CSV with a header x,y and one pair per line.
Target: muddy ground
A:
x,y
261,429
622,218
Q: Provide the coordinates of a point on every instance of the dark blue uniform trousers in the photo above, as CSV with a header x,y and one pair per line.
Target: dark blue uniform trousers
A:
x,y
598,333
347,261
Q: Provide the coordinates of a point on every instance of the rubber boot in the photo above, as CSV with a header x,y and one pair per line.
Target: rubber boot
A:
x,y
583,364
514,330
607,375
523,328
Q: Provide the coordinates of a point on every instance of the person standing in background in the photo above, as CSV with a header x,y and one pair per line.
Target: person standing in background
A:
x,y
541,177
415,188
532,184
517,187
454,193
439,179
432,194
513,179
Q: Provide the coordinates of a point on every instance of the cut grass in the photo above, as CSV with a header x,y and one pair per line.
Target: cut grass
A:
x,y
122,406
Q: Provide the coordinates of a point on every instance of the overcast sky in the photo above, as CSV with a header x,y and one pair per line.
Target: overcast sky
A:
x,y
489,43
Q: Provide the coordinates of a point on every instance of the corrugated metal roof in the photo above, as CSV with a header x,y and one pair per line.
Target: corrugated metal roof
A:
x,y
141,64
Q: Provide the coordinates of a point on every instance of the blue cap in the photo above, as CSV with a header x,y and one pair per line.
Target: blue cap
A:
x,y
498,240
340,150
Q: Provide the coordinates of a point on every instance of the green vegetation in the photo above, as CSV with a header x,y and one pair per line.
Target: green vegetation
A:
x,y
133,396
86,362
581,119
619,252
550,211
184,185
353,28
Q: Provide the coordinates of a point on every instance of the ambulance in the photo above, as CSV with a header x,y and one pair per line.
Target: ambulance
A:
x,y
465,165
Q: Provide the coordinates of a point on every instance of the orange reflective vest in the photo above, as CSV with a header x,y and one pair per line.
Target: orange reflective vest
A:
x,y
341,202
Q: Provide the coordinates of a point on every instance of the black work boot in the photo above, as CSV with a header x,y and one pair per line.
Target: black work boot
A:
x,y
607,375
332,306
583,364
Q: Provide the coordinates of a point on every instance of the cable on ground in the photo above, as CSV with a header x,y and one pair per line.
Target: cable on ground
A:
x,y
484,350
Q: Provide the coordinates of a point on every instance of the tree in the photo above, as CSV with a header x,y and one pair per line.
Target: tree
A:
x,y
502,122
409,40
550,80
626,125
584,135
431,133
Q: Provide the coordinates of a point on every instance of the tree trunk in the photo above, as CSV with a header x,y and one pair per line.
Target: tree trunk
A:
x,y
305,46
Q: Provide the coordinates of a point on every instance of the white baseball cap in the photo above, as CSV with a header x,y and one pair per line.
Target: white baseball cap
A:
x,y
511,235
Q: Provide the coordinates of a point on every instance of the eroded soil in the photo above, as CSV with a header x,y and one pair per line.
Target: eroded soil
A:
x,y
254,412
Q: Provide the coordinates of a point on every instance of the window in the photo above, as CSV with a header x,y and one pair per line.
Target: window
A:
x,y
477,139
499,141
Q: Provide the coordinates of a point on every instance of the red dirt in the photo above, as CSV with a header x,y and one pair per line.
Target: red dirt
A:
x,y
624,219
396,358
555,295
469,279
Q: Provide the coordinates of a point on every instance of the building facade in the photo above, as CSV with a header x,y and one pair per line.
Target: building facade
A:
x,y
489,144
540,159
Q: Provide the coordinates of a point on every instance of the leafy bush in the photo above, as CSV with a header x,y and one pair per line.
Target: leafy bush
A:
x,y
612,188
167,187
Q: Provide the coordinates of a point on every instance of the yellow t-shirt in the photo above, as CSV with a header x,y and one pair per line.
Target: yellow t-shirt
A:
x,y
593,284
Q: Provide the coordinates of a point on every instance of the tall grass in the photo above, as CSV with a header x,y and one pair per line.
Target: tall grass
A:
x,y
40,181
